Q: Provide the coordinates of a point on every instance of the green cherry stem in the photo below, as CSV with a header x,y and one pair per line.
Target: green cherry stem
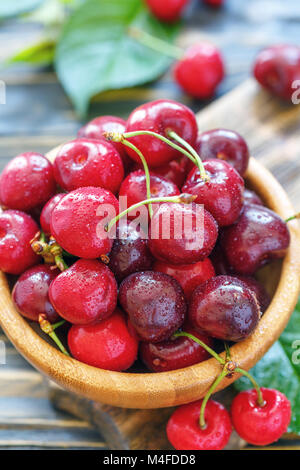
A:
x,y
293,217
208,395
260,399
58,324
47,328
201,343
155,43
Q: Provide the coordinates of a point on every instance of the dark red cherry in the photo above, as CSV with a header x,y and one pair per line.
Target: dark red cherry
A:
x,y
258,236
108,344
102,124
175,353
88,162
155,304
30,293
219,260
45,216
222,195
262,295
84,293
189,276
277,68
224,144
177,242
168,10
160,116
17,229
250,197
27,182
200,70
214,3
225,308
130,252
78,221
174,171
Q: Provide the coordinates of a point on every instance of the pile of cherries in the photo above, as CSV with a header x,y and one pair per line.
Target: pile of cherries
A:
x,y
169,298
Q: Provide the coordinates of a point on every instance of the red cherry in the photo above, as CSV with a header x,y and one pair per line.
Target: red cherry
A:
x,y
250,197
200,70
175,353
87,162
78,221
219,260
184,431
214,3
108,345
262,295
30,293
102,124
261,425
45,216
186,242
85,292
174,171
222,195
277,67
27,181
168,10
189,276
226,145
160,116
17,229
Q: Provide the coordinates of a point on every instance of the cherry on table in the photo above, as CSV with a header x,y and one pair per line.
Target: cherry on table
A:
x,y
168,10
45,216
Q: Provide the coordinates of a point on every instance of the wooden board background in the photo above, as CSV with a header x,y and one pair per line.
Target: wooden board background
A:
x,y
38,116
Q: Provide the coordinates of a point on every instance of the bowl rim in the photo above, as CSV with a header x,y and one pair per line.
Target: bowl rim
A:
x,y
164,389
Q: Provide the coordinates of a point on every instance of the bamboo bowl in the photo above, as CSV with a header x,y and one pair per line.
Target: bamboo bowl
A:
x,y
157,390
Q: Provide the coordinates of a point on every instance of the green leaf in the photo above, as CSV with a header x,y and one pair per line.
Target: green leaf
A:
x,y
9,8
95,52
41,53
280,368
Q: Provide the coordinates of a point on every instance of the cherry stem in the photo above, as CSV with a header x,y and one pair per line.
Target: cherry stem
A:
x,y
58,324
293,217
155,43
228,354
260,401
47,328
208,395
201,343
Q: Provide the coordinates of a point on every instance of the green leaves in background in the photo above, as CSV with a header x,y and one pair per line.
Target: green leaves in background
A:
x,y
41,53
9,8
280,368
95,52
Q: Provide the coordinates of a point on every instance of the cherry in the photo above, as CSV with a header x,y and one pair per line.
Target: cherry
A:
x,y
175,353
219,260
160,116
200,70
84,293
108,345
185,242
96,129
78,221
87,162
17,229
261,425
168,10
30,293
225,308
155,304
184,431
189,276
27,182
250,197
262,296
277,67
45,216
258,236
222,195
214,3
226,145
130,252
174,171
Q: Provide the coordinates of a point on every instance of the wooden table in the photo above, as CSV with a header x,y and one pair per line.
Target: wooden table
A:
x,y
38,116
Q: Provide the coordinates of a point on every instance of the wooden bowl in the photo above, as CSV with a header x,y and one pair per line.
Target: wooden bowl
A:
x,y
157,390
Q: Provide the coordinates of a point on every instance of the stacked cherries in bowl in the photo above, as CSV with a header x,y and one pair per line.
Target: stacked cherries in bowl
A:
x,y
139,237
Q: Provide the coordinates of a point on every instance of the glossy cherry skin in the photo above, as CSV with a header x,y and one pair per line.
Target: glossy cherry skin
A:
x,y
88,162
30,293
84,293
168,10
96,128
108,344
222,195
262,295
184,431
200,70
277,67
258,236
195,238
45,216
17,229
27,182
160,116
189,276
175,353
225,308
224,144
155,304
258,425
78,221
250,197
